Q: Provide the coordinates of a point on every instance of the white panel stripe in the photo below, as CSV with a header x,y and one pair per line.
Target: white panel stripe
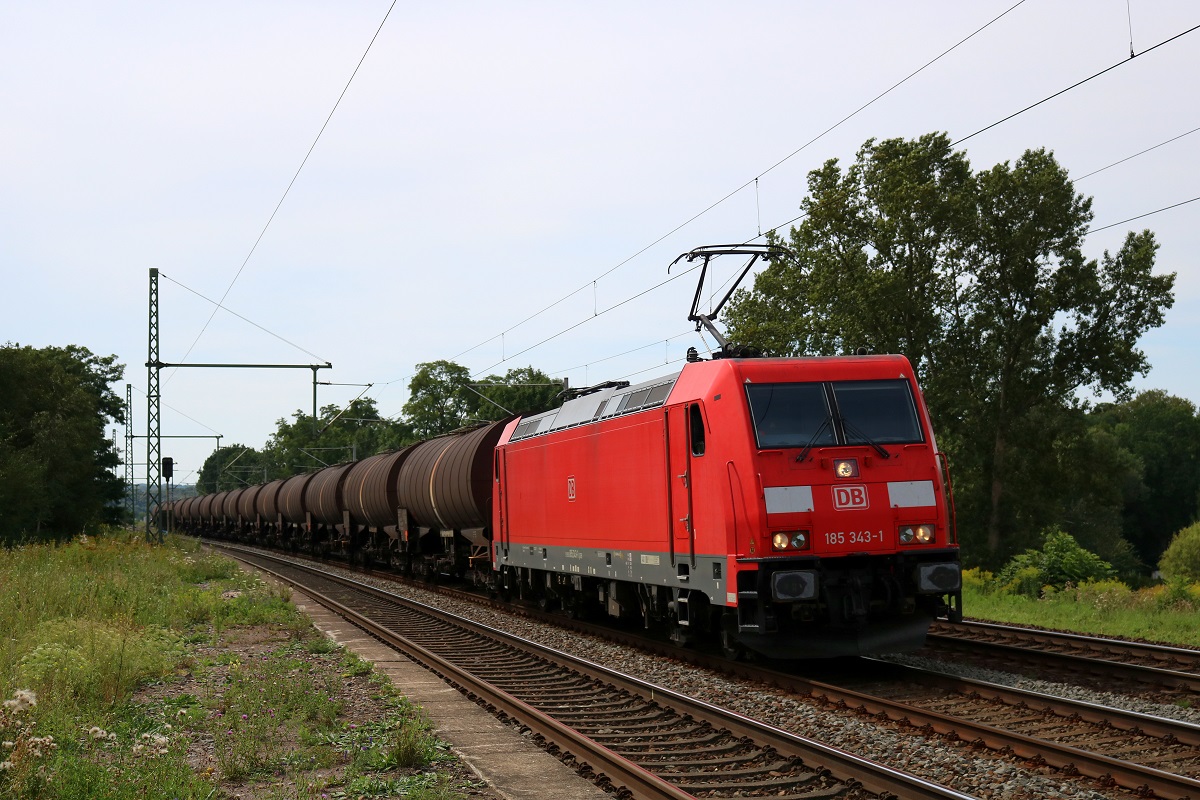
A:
x,y
788,499
911,494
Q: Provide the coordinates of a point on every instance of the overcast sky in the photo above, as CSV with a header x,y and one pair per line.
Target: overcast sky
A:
x,y
490,160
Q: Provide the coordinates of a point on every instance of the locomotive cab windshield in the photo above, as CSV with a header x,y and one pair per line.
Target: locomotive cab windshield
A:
x,y
808,415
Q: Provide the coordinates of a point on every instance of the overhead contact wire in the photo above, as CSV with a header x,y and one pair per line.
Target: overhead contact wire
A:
x,y
291,183
754,180
1122,62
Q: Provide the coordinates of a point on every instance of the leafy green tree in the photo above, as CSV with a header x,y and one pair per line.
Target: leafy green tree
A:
x,y
56,466
232,467
336,436
438,402
980,279
1163,433
523,390
1181,561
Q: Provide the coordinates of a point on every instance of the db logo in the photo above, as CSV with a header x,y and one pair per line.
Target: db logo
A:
x,y
571,488
845,497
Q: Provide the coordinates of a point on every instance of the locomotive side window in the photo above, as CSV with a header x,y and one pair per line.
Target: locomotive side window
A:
x,y
697,432
790,414
877,411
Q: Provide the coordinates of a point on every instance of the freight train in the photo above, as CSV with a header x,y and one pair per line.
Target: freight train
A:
x,y
791,507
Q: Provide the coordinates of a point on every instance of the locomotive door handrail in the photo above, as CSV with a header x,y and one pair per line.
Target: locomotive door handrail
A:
x,y
952,522
504,534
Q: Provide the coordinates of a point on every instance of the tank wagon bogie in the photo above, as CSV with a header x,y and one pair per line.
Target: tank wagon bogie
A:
x,y
792,507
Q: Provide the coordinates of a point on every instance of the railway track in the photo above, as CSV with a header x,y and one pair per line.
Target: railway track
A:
x,y
1150,666
1146,755
638,739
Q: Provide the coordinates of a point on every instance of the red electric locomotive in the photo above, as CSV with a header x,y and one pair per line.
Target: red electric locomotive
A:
x,y
796,507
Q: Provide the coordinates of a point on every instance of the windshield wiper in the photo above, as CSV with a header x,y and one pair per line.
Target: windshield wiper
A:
x,y
849,428
811,442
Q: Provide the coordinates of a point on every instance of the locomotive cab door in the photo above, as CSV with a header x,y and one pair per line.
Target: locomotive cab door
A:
x,y
681,530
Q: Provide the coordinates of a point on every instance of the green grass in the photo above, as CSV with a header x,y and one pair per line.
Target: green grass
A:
x,y
88,626
1165,614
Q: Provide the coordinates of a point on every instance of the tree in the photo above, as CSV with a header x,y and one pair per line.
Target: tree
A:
x,y
232,467
1181,561
337,435
56,464
981,280
437,401
1163,433
523,390
443,396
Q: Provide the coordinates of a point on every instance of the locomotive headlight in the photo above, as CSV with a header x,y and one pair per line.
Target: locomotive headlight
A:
x,y
920,534
846,468
789,540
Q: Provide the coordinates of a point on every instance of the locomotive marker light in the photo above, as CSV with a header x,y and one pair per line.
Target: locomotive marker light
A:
x,y
846,467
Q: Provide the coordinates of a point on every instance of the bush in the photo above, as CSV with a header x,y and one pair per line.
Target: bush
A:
x,y
1061,561
979,580
1181,560
1107,595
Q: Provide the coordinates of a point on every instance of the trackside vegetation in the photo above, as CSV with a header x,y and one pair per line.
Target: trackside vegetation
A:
x,y
1065,587
125,666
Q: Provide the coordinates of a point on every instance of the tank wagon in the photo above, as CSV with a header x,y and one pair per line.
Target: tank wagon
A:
x,y
794,507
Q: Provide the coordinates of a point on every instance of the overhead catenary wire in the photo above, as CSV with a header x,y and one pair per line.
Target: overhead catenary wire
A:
x,y
1141,216
798,150
220,307
754,180
291,183
1075,85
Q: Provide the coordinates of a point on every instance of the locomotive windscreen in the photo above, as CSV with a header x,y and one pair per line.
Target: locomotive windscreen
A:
x,y
790,414
802,414
877,411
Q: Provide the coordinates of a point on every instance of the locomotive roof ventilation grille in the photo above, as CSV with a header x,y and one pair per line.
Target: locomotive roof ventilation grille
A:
x,y
597,406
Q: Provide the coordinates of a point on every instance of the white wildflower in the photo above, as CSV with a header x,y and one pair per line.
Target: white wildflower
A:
x,y
22,700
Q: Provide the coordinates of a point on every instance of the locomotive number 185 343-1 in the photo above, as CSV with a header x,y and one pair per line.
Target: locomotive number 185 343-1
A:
x,y
853,537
